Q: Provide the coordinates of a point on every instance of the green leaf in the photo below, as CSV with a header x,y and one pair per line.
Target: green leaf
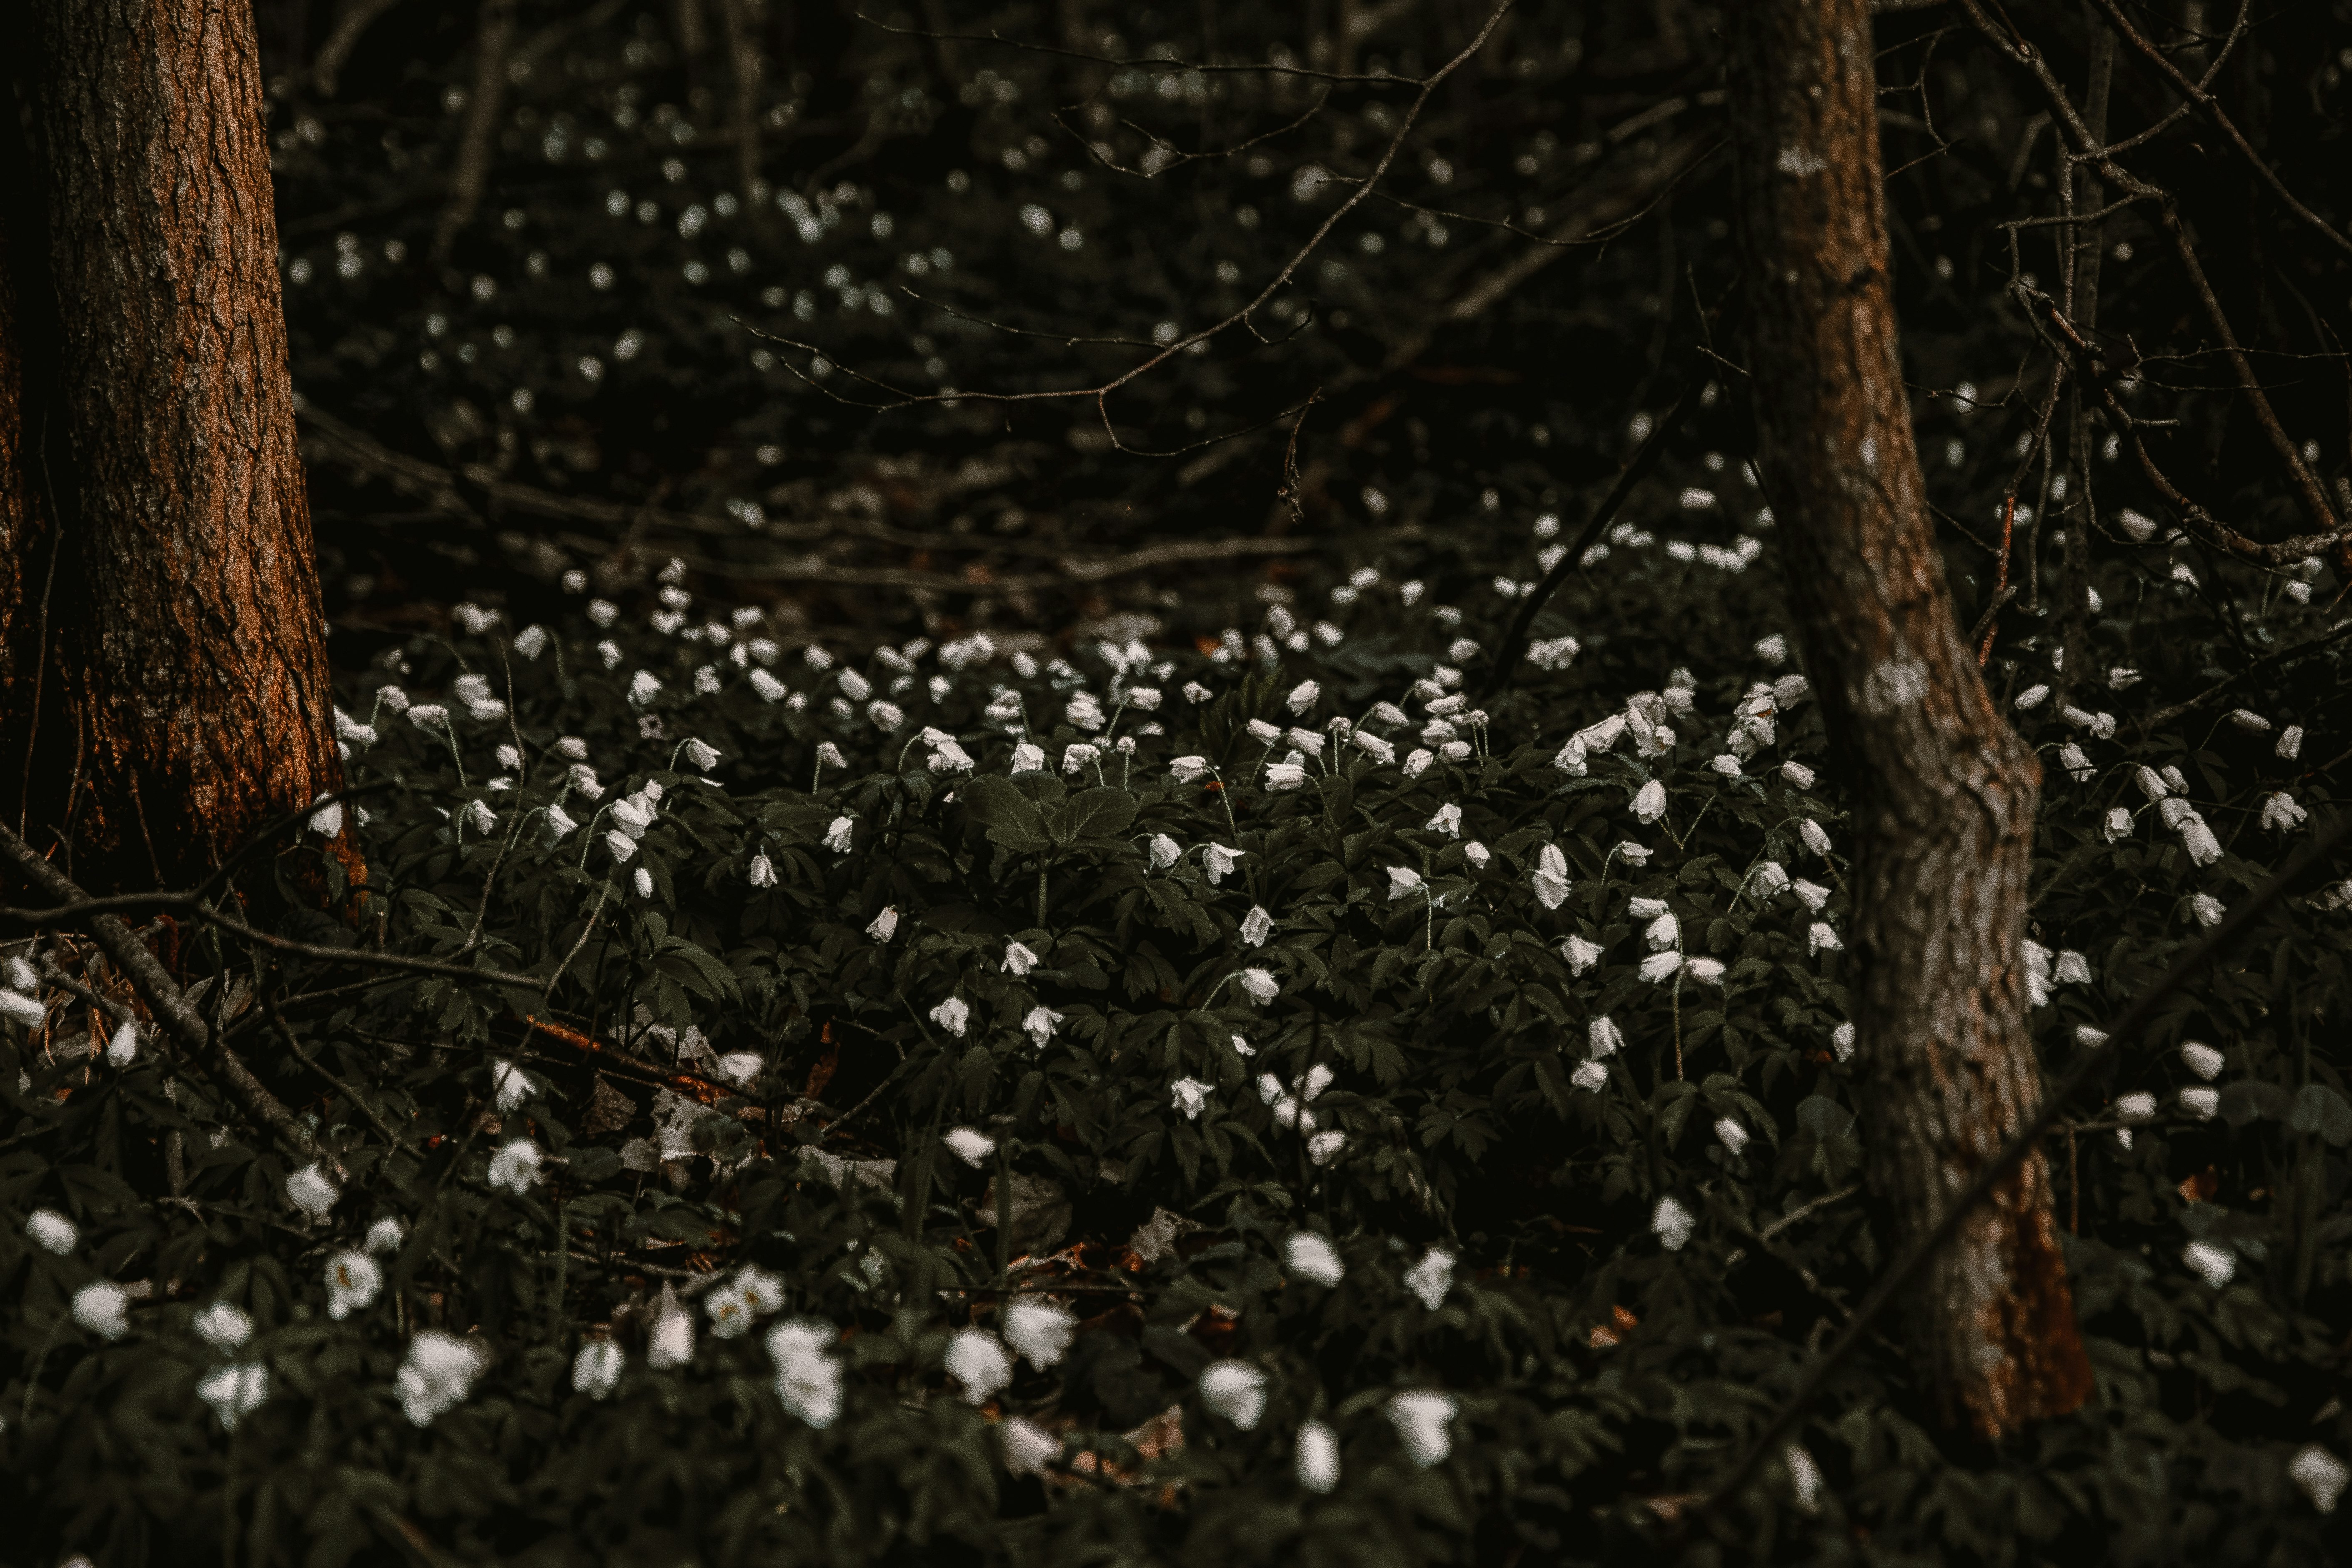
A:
x,y
1008,816
1101,812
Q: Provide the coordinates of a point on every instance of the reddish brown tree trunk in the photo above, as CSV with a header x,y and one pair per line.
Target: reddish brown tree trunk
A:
x,y
1945,789
180,661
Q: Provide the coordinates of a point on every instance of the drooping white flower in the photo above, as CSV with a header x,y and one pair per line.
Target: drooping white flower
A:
x,y
1590,1076
1220,860
1432,1278
1804,1478
2031,696
952,1014
1303,696
1816,838
1039,1023
1841,1041
516,1166
438,1374
1673,1224
1821,937
235,1391
1314,1259
969,1144
1322,1148
1660,967
1662,932
2201,1060
1448,820
1731,1133
1812,894
1602,1037
1580,953
670,1342
761,1291
763,870
2280,811
2320,1474
882,927
1550,877
1704,971
1283,776
1038,1331
308,1190
2214,1265
2072,968
1403,882
1235,1390
103,1308
222,1326
808,1376
1650,803
2207,909
384,1236
2290,743
979,1360
1027,1448
1018,961
596,1370
837,837
1798,774
2151,783
1256,926
643,880
353,1282
1318,1461
1771,877
2246,719
1189,1095
51,1231
1164,851
2198,840
1423,1419
1477,855
509,1085
2200,1102
740,1067
2117,823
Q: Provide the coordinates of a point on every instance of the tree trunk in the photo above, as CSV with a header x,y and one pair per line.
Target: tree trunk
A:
x,y
174,634
1945,790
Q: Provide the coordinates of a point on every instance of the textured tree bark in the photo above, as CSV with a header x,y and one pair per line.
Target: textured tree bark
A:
x,y
1946,790
185,687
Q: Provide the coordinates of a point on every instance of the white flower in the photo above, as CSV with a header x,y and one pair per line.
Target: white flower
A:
x,y
439,1374
235,1391
1804,1478
2320,1474
2198,840
1550,877
2077,765
1704,971
1313,1258
1242,1047
1660,967
1260,986
978,1360
643,880
1432,1277
516,1166
837,837
1633,854
2200,1102
2290,742
1476,854
763,870
1841,1041
2118,824
2072,968
555,825
1303,696
1318,1461
1220,862
1423,1422
2151,783
969,1146
1821,937
1191,770
1077,754
1770,878
620,844
882,927
384,1236
1590,1076
1403,882
1281,776
1664,932
767,688
1321,1147
2213,1264
353,1282
1018,961
1798,774
1038,1331
670,1342
2139,1107
2207,909
1570,758
1164,851
1256,926
222,1326
2175,811
1732,1135
1602,1037
327,820
952,1014
2033,697
308,1190
1650,803
52,1231
1812,894
704,757
1027,1446
1039,1023
1189,1095
531,641
808,1376
1674,1224
1581,954
1725,765
2201,1060
1447,821
1235,1390
829,755
2247,719
1816,839
634,815
509,1085
103,1308
740,1067
1373,746
596,1370
2280,811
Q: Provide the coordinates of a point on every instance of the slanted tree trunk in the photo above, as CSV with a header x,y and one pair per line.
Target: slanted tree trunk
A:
x,y
1945,790
167,681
